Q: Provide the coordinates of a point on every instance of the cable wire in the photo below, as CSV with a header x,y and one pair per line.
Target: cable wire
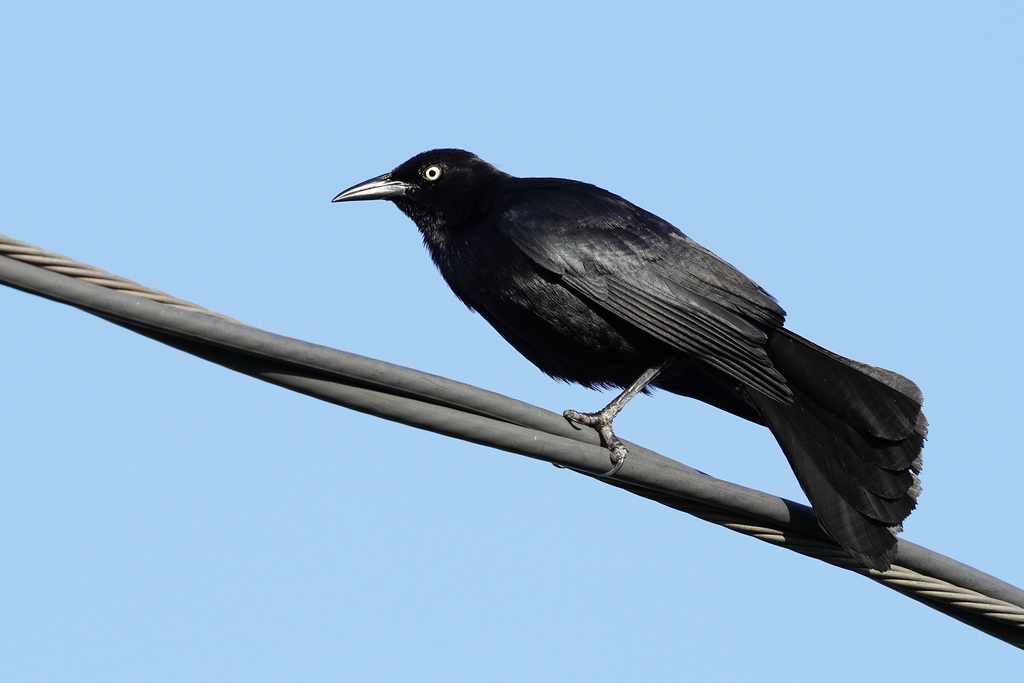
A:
x,y
462,411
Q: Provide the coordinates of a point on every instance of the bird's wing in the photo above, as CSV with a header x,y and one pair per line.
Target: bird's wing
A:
x,y
640,268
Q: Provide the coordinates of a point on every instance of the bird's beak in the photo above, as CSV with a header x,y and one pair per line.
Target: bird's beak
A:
x,y
381,187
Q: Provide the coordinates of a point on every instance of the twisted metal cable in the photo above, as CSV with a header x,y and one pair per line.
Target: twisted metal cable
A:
x,y
970,605
470,413
902,579
27,253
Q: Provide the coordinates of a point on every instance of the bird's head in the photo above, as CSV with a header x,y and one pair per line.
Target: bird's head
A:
x,y
439,189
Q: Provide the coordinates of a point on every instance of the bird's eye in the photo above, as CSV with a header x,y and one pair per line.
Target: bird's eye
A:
x,y
431,173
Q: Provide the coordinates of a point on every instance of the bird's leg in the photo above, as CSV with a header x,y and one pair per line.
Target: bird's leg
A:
x,y
602,420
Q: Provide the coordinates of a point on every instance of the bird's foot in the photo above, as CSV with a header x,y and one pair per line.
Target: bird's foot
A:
x,y
602,422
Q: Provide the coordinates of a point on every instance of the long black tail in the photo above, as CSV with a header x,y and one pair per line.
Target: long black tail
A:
x,y
853,436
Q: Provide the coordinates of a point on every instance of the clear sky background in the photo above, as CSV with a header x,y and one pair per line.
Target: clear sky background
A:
x,y
164,519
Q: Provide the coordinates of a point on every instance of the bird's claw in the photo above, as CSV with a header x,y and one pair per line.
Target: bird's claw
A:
x,y
575,418
602,422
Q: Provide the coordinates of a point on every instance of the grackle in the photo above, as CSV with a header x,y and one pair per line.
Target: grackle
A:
x,y
595,290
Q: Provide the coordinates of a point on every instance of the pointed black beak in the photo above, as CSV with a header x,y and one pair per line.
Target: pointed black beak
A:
x,y
381,187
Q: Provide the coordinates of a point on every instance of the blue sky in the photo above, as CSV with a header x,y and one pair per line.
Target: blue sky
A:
x,y
164,519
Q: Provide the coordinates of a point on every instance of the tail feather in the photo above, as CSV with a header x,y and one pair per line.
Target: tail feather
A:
x,y
853,436
886,468
870,542
875,401
807,440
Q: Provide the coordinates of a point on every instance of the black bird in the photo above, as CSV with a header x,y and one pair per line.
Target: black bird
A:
x,y
595,290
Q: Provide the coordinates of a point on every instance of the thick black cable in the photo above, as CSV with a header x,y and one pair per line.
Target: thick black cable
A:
x,y
462,411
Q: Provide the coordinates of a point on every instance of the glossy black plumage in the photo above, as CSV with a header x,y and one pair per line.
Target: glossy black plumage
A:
x,y
595,290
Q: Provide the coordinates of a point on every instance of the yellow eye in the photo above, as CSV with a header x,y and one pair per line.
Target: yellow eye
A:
x,y
431,173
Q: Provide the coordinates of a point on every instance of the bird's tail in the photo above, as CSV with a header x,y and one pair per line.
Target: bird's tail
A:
x,y
853,435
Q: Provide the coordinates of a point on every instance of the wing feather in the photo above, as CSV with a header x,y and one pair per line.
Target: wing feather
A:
x,y
643,270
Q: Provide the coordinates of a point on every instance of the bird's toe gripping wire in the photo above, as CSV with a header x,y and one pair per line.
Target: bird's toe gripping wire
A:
x,y
602,419
602,422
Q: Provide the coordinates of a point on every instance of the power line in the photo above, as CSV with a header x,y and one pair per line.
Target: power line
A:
x,y
473,414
